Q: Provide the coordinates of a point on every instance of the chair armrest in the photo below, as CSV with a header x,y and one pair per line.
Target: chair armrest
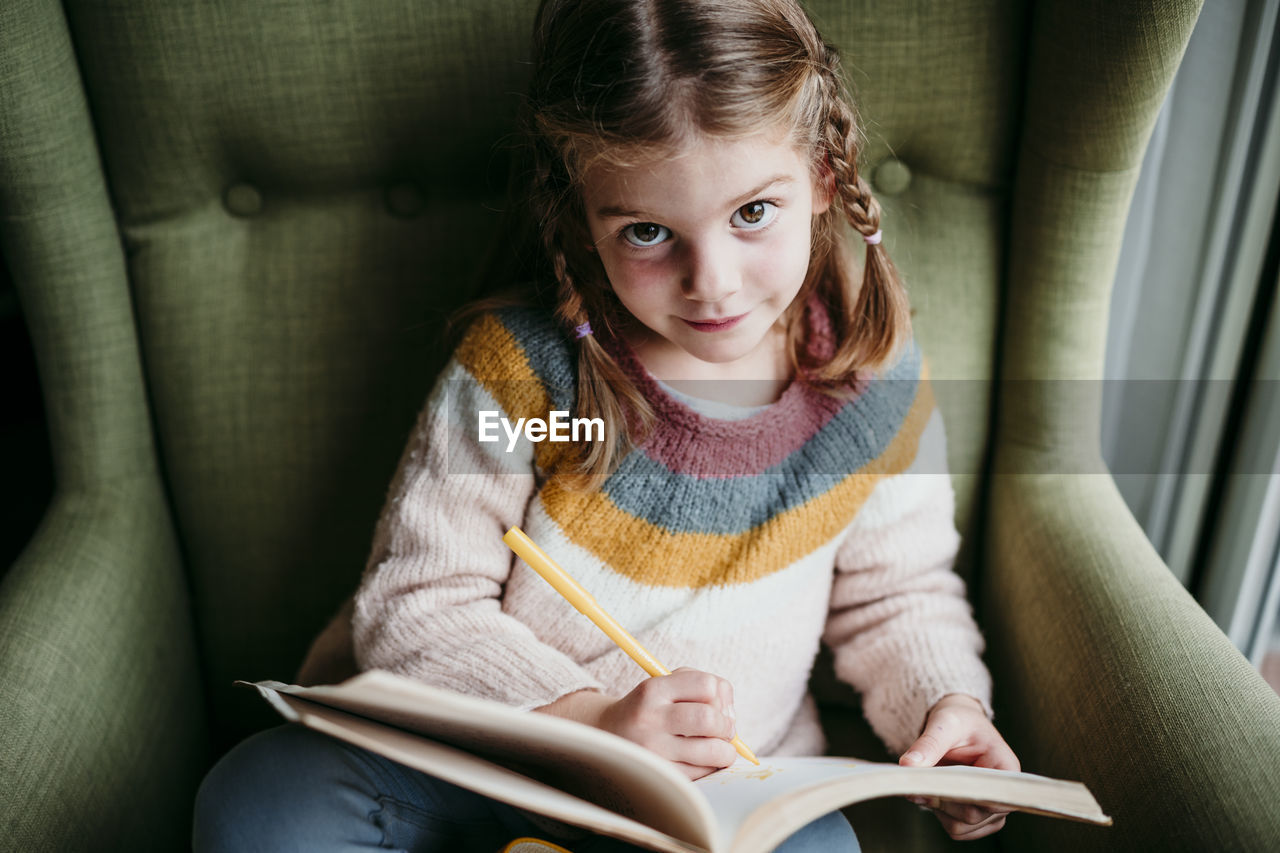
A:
x,y
1107,671
101,710
103,739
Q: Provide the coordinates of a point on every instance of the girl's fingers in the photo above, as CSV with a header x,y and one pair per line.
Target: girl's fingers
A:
x,y
954,735
963,821
934,742
693,685
999,756
694,771
969,832
694,719
965,813
726,698
712,753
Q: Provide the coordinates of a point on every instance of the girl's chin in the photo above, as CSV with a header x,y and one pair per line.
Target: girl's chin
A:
x,y
720,352
711,348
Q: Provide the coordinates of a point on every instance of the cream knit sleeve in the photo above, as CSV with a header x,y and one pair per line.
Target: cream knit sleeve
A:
x,y
900,627
430,603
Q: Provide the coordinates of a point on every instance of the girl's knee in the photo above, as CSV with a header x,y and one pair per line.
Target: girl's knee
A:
x,y
254,768
274,788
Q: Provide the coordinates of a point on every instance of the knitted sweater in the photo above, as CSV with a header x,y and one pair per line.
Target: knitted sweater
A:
x,y
730,546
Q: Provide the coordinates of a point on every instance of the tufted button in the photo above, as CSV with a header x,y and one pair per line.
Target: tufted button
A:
x,y
242,200
891,177
405,200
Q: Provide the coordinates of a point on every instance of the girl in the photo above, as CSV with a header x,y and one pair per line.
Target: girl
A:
x,y
771,473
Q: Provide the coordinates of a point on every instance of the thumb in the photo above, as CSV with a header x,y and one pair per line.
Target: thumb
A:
x,y
928,749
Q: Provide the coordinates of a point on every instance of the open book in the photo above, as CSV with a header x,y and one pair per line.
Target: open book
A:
x,y
589,778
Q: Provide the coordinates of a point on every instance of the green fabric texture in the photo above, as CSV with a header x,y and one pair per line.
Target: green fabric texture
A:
x,y
1108,671
100,698
302,196
236,228
1120,679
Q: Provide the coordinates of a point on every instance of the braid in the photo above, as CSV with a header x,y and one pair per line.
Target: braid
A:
x,y
604,390
869,330
841,138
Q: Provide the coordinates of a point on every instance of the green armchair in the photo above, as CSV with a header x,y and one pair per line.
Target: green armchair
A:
x,y
236,227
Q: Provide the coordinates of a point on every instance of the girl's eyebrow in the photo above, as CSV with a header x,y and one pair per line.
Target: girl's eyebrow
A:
x,y
751,194
616,212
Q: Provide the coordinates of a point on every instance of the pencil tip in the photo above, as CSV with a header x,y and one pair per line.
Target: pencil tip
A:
x,y
745,751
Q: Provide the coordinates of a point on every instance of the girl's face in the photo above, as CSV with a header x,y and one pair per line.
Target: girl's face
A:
x,y
707,249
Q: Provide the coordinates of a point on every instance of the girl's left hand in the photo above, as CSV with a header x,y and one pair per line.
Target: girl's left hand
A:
x,y
957,731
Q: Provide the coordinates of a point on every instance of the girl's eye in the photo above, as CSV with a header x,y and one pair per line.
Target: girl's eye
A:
x,y
646,233
754,215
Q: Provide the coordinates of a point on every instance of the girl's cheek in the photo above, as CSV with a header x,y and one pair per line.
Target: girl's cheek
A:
x,y
639,274
798,246
785,252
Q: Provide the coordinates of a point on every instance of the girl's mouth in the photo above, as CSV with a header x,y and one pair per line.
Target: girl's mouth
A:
x,y
716,325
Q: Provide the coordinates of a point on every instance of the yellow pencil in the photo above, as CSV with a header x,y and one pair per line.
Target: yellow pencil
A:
x,y
573,592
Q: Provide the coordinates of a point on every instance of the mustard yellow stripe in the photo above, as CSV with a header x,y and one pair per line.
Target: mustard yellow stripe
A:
x,y
493,356
658,557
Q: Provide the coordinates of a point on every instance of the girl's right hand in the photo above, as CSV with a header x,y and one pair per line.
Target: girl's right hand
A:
x,y
686,717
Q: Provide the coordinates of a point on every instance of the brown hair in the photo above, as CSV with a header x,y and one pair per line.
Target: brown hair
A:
x,y
613,83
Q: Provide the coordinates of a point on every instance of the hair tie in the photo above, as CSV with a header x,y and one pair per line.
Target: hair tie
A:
x,y
580,332
872,240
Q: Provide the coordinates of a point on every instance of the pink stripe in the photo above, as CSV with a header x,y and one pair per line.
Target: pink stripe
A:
x,y
686,442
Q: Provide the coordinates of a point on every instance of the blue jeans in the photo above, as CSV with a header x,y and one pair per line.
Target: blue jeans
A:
x,y
292,789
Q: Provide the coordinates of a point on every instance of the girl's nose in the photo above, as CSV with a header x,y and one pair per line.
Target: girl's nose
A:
x,y
710,275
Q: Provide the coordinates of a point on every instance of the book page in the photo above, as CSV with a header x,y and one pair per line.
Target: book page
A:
x,y
759,807
588,763
475,774
590,778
